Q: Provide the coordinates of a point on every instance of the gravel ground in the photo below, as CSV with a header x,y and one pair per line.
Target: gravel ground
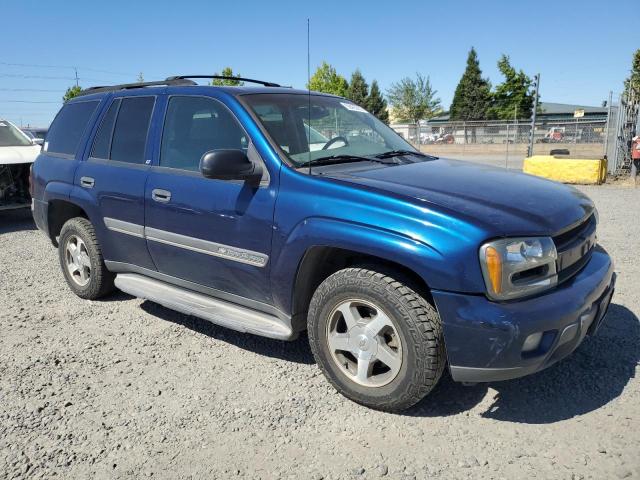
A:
x,y
124,388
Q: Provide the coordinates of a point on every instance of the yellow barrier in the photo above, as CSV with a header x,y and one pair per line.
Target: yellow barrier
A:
x,y
567,170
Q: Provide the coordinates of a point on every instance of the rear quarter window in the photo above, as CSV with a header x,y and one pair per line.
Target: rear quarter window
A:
x,y
66,130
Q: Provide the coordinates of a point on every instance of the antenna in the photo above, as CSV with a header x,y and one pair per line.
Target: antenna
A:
x,y
309,97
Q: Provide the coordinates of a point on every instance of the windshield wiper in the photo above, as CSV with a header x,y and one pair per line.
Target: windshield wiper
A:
x,y
332,159
399,153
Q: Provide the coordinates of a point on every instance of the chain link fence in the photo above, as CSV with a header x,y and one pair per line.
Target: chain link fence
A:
x,y
505,142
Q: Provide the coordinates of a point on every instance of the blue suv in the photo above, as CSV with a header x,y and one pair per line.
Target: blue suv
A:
x,y
273,211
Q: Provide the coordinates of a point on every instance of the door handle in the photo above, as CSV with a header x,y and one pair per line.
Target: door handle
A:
x,y
87,182
159,195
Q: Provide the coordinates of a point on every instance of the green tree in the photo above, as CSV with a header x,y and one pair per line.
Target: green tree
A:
x,y
632,83
71,93
327,80
514,96
227,72
376,104
358,89
472,98
413,100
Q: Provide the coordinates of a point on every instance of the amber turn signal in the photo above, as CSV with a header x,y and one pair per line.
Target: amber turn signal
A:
x,y
494,268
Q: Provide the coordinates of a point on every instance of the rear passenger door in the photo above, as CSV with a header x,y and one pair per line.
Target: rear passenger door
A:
x,y
214,233
114,176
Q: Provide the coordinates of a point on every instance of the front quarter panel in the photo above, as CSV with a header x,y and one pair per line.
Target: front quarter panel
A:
x,y
314,211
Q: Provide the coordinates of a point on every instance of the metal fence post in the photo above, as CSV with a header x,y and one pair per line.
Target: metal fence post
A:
x,y
533,115
606,128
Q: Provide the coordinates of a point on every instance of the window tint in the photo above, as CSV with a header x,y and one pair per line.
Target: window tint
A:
x,y
102,142
194,126
130,132
69,125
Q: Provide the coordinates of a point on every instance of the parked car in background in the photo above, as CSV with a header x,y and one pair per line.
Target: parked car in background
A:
x,y
214,202
17,152
36,134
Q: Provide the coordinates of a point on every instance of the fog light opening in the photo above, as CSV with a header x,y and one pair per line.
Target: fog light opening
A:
x,y
532,342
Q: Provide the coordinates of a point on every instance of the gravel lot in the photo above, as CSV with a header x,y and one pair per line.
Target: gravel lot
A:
x,y
124,388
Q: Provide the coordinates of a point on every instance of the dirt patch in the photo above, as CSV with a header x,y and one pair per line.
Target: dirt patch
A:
x,y
124,388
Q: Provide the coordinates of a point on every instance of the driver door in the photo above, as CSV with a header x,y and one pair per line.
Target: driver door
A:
x,y
214,233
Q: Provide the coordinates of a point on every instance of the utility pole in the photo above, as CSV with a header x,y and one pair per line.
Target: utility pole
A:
x,y
536,85
76,70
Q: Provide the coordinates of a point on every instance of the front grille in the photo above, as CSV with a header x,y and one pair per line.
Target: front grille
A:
x,y
575,247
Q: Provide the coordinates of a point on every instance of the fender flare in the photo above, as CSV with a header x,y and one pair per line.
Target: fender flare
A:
x,y
419,257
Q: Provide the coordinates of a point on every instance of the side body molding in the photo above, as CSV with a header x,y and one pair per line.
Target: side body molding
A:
x,y
227,252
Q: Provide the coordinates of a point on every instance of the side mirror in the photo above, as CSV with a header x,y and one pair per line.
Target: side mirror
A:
x,y
229,165
37,141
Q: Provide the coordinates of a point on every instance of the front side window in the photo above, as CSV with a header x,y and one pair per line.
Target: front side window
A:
x,y
308,128
194,126
67,128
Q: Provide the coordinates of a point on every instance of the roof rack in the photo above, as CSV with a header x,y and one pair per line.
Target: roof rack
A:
x,y
178,80
222,77
125,86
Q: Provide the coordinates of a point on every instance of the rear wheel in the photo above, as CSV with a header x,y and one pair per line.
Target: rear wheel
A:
x,y
375,338
81,260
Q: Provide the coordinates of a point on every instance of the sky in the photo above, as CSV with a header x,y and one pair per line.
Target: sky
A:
x,y
582,49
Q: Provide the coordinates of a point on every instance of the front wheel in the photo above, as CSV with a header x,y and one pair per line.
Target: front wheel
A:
x,y
375,338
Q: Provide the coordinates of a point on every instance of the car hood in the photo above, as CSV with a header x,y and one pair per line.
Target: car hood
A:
x,y
503,202
14,155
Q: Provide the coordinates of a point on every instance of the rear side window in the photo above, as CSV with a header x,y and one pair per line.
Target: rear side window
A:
x,y
130,132
102,143
122,135
67,128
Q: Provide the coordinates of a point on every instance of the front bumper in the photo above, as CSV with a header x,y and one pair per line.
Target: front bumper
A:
x,y
484,339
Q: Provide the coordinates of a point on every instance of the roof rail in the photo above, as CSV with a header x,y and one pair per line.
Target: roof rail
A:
x,y
222,77
126,86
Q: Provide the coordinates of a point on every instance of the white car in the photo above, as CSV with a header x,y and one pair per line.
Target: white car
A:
x,y
17,153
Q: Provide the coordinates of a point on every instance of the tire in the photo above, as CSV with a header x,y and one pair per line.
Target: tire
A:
x,y
88,263
414,338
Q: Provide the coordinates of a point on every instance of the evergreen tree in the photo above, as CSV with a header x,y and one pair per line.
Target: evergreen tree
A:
x,y
358,89
632,84
327,80
472,98
376,104
514,96
71,93
226,72
413,100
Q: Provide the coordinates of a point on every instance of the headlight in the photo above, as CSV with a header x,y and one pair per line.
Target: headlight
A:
x,y
516,267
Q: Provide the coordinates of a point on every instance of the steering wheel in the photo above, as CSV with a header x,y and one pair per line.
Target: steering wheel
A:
x,y
334,140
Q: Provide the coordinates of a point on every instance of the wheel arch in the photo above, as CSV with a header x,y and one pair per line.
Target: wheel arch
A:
x,y
319,262
58,213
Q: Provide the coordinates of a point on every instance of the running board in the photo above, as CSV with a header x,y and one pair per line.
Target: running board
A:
x,y
216,311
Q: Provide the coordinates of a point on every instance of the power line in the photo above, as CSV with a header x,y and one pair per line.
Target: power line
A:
x,y
69,67
46,77
27,101
59,90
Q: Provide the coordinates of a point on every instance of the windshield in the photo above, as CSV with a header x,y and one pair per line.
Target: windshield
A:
x,y
10,136
331,127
